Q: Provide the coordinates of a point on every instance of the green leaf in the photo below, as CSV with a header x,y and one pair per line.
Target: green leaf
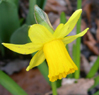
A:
x,y
63,18
41,3
97,93
93,69
20,36
16,2
12,1
10,85
2,48
9,20
30,18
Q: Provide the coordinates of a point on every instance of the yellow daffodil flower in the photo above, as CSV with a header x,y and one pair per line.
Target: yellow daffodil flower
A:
x,y
51,47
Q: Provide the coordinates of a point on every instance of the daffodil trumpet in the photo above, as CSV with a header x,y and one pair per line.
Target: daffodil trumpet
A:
x,y
51,47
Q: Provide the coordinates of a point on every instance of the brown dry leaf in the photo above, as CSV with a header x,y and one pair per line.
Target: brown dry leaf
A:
x,y
79,88
56,23
52,16
90,42
69,5
90,6
97,34
83,25
85,66
97,31
54,6
87,9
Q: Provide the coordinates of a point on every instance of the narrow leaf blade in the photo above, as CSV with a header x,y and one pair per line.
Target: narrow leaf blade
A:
x,y
10,85
30,18
63,18
93,69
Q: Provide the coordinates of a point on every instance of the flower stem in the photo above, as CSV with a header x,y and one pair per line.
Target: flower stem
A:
x,y
54,88
78,41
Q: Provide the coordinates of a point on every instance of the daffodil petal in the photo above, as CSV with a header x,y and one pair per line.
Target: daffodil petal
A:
x,y
58,30
68,27
37,59
69,39
39,34
23,49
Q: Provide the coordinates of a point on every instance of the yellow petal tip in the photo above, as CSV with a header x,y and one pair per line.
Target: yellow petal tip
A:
x,y
87,28
79,10
3,43
28,68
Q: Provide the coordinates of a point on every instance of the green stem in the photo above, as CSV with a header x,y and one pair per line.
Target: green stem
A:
x,y
78,41
54,88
